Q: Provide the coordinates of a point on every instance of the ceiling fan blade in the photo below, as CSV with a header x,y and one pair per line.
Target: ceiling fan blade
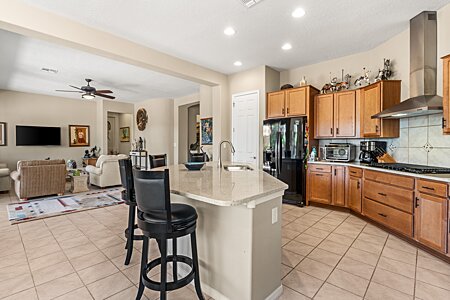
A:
x,y
76,87
105,96
68,91
104,91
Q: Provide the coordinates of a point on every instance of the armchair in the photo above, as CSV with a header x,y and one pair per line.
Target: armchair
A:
x,y
5,182
106,172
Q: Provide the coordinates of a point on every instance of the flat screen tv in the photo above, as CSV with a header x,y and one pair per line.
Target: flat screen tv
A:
x,y
38,136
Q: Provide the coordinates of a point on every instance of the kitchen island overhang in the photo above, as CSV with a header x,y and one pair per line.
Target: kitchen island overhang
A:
x,y
238,230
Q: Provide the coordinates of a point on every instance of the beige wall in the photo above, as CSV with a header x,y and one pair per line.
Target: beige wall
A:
x,y
158,133
178,118
18,108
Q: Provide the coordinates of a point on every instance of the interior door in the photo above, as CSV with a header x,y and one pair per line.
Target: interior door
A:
x,y
345,114
371,105
246,127
296,102
324,122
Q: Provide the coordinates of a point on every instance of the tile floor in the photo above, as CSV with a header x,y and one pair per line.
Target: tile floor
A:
x,y
325,255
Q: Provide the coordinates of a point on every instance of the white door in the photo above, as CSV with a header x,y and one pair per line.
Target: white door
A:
x,y
246,127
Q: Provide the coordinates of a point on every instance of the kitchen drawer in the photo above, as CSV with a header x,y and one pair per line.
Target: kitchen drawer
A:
x,y
390,195
355,172
320,168
397,180
388,216
432,187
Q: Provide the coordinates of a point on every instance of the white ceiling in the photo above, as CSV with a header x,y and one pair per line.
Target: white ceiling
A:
x,y
22,58
193,29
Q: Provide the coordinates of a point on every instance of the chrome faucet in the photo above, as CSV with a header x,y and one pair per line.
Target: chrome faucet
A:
x,y
220,151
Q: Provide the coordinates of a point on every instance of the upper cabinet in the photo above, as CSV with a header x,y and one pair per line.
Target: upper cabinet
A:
x,y
348,114
375,98
446,95
290,103
335,115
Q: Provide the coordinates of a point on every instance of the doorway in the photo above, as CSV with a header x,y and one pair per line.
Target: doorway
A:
x,y
119,133
188,130
245,117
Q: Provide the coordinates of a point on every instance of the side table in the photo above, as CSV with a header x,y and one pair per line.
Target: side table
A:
x,y
79,183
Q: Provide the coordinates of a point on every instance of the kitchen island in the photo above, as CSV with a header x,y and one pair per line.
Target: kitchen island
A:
x,y
238,231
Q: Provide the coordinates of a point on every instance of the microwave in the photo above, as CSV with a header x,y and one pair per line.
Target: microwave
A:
x,y
340,152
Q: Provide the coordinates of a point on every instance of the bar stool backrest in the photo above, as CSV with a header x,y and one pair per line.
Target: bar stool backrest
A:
x,y
126,176
197,157
152,190
158,160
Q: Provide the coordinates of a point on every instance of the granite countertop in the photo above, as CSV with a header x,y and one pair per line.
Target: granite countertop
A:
x,y
223,188
437,177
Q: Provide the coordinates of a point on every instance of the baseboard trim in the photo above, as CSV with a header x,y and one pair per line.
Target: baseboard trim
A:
x,y
276,293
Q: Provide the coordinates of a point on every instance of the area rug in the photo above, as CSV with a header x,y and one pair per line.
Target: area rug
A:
x,y
59,205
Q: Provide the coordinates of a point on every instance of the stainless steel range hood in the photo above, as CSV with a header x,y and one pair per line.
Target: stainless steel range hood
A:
x,y
422,73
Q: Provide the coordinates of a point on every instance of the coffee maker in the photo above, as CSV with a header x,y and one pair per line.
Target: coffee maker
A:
x,y
370,150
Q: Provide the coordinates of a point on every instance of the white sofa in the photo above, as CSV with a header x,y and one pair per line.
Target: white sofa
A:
x,y
106,171
5,182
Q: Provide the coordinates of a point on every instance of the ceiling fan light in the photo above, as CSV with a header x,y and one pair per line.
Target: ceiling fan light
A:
x,y
88,96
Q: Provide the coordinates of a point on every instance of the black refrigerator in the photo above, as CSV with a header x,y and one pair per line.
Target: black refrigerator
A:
x,y
284,154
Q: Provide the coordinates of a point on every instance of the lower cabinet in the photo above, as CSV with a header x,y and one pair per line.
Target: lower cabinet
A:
x,y
354,193
431,221
320,187
338,193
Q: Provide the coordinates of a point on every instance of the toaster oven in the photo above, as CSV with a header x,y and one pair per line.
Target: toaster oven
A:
x,y
340,152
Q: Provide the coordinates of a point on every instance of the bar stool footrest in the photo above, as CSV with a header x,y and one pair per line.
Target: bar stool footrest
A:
x,y
136,237
173,285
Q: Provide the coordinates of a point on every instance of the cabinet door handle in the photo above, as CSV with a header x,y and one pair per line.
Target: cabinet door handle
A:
x,y
282,110
335,172
288,110
443,122
331,130
337,130
376,128
382,194
428,188
417,202
358,185
383,215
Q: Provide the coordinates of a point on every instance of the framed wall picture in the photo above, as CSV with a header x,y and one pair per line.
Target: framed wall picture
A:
x,y
124,133
79,136
3,141
207,131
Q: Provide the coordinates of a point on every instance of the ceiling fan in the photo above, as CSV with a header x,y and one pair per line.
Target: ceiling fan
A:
x,y
89,92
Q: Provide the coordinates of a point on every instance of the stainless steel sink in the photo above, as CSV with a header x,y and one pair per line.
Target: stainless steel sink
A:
x,y
234,168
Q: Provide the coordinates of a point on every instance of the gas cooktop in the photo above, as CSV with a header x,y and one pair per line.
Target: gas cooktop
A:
x,y
418,169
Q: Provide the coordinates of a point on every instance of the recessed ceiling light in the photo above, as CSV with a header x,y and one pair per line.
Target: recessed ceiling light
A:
x,y
229,31
286,46
238,63
298,13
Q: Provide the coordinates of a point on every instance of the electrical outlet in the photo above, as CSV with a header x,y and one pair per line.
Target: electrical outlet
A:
x,y
274,215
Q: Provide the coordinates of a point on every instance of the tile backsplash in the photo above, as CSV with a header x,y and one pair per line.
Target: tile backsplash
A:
x,y
421,142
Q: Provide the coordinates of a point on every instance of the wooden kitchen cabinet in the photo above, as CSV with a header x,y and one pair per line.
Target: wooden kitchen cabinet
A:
x,y
275,105
431,219
354,193
296,102
375,98
320,187
338,195
324,116
446,95
335,115
290,103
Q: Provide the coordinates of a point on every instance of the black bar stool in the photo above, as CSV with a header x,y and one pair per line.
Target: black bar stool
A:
x,y
158,160
161,220
197,157
128,195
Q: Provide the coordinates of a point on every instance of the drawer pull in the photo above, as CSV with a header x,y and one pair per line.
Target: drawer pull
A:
x,y
383,215
382,194
353,172
319,175
319,169
428,188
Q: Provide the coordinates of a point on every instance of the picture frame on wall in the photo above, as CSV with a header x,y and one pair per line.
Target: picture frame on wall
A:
x,y
3,134
79,136
206,125
124,133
